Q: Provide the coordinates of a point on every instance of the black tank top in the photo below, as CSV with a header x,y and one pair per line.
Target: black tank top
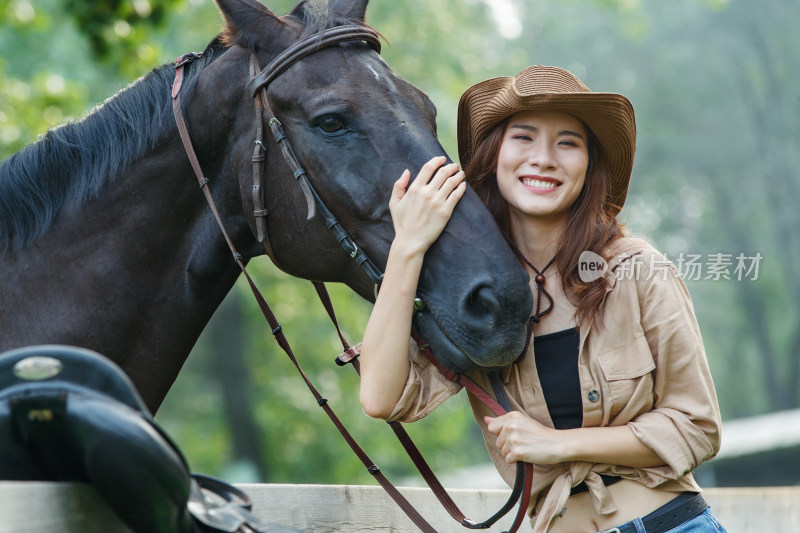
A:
x,y
557,365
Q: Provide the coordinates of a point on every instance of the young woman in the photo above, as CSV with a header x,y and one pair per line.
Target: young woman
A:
x,y
613,401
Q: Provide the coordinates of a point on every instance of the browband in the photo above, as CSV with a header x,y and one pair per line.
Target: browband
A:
x,y
288,57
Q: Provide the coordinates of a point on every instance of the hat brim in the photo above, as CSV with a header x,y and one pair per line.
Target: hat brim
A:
x,y
609,116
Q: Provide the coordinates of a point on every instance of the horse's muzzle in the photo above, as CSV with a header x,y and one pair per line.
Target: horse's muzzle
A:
x,y
486,330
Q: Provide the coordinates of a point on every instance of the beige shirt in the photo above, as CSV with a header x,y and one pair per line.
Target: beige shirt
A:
x,y
646,367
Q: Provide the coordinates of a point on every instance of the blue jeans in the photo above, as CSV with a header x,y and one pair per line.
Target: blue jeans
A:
x,y
705,522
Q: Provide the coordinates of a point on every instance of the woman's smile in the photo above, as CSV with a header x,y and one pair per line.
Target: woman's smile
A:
x,y
540,184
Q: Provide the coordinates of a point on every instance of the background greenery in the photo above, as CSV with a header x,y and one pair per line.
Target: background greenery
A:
x,y
715,87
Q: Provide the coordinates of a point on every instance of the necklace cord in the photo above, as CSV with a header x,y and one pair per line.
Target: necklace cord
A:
x,y
539,279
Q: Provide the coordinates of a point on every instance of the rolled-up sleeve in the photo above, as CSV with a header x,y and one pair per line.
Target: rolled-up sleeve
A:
x,y
426,388
683,427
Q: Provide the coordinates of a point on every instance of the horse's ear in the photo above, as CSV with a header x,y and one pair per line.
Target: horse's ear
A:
x,y
250,24
299,10
348,9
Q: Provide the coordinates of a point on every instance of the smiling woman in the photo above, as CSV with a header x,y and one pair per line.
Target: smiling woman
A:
x,y
612,402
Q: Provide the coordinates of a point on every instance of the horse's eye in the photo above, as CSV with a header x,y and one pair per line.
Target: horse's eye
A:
x,y
331,124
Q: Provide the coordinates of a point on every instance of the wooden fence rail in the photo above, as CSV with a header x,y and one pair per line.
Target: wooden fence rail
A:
x,y
34,507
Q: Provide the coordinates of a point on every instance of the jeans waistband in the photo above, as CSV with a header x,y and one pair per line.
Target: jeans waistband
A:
x,y
681,509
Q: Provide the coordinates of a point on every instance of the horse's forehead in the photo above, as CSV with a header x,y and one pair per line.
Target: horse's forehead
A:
x,y
349,77
347,74
371,69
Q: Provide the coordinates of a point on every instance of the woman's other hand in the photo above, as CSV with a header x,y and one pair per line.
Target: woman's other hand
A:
x,y
521,438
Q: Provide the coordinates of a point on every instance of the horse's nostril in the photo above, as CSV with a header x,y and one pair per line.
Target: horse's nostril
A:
x,y
480,307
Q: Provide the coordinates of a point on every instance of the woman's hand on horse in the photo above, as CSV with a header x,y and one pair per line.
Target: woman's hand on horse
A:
x,y
521,438
421,210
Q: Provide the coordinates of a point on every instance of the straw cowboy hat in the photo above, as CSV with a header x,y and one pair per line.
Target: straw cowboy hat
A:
x,y
608,115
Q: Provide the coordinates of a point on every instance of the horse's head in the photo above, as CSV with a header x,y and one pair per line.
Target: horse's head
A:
x,y
355,126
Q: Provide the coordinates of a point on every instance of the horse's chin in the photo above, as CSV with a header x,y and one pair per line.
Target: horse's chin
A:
x,y
463,354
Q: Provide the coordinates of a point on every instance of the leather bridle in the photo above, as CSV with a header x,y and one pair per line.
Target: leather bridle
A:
x,y
258,87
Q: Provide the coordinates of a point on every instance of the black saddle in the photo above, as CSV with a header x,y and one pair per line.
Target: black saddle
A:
x,y
70,414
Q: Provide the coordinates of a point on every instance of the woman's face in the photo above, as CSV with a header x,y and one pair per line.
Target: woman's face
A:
x,y
542,164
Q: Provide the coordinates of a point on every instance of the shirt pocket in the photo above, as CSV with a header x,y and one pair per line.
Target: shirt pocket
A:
x,y
628,369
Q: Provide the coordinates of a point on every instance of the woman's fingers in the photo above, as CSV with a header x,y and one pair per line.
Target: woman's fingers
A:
x,y
436,184
446,196
521,438
441,176
454,188
435,175
427,171
400,186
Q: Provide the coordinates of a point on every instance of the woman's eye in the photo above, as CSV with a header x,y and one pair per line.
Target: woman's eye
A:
x,y
331,124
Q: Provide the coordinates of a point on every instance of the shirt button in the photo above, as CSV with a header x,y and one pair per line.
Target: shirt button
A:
x,y
593,395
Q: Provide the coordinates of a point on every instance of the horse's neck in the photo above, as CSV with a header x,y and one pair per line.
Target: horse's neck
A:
x,y
134,274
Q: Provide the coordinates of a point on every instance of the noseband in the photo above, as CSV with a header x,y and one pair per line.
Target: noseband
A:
x,y
258,87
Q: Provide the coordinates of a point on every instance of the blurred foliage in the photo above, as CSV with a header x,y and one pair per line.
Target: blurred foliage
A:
x,y
715,87
114,27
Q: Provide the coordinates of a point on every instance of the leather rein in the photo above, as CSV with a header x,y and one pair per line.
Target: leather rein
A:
x,y
258,87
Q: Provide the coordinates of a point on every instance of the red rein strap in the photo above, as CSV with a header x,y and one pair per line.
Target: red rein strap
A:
x,y
277,332
524,477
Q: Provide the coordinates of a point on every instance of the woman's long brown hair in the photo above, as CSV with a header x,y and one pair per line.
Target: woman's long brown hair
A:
x,y
590,226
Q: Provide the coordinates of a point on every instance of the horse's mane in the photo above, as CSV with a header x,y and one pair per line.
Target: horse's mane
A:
x,y
316,19
74,161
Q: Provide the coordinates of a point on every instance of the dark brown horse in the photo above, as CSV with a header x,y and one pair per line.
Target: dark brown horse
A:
x,y
107,243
